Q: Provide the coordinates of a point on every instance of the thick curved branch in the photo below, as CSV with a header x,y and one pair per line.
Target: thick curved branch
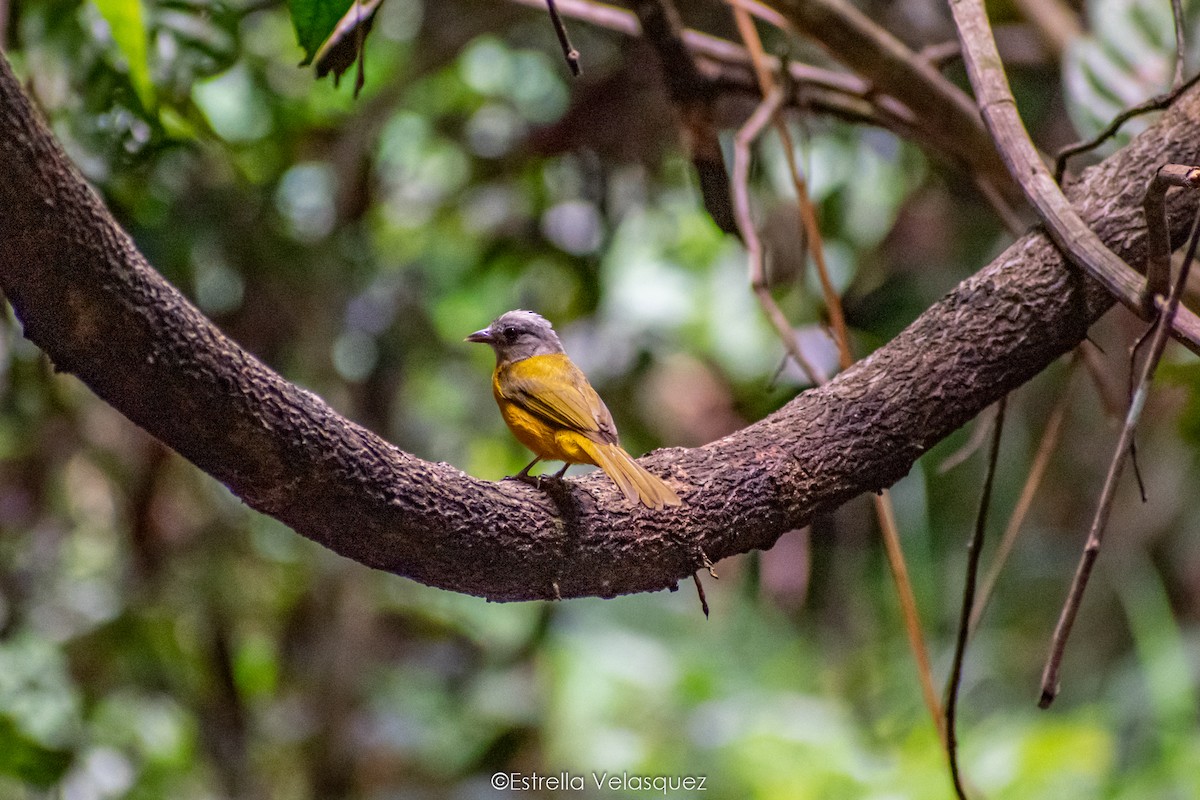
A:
x,y
1065,227
92,303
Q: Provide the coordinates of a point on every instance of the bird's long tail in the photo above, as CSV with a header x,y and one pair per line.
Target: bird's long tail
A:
x,y
629,476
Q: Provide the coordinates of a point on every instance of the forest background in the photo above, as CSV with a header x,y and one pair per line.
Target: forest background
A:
x,y
160,639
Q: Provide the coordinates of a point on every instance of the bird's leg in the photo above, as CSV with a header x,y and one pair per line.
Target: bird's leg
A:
x,y
558,475
524,477
523,474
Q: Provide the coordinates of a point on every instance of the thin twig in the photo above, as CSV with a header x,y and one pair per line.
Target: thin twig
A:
x,y
1158,237
974,549
1156,103
979,434
1050,677
1063,224
1111,399
908,608
1180,45
700,593
1037,471
745,223
804,204
946,112
883,501
1132,389
564,41
842,94
765,13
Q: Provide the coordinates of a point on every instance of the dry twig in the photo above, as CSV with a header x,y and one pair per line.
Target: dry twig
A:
x,y
886,514
1037,471
1062,222
745,223
1156,103
1167,310
1180,45
974,550
804,204
564,41
883,502
945,112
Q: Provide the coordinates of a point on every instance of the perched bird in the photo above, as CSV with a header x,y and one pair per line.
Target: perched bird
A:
x,y
551,408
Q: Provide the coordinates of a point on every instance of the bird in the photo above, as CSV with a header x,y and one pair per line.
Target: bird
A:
x,y
550,407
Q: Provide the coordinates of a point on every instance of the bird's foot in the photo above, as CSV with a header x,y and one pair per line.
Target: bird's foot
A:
x,y
524,477
554,485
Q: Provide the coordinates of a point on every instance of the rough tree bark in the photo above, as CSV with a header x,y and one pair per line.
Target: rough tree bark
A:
x,y
88,298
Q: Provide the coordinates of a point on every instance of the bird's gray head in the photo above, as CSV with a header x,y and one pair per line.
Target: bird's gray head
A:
x,y
519,334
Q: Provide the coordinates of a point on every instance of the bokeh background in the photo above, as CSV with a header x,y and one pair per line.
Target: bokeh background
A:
x,y
158,639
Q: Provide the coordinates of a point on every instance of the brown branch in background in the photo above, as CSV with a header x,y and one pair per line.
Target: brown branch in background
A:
x,y
883,500
1180,45
840,94
974,550
1041,460
945,112
1050,676
692,94
1111,398
1158,237
564,41
744,220
1062,222
1156,103
700,593
804,204
979,434
885,512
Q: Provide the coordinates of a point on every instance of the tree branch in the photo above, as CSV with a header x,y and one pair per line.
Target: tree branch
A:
x,y
839,94
1064,225
943,111
89,299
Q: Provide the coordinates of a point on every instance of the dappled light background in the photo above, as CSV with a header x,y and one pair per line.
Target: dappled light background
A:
x,y
158,639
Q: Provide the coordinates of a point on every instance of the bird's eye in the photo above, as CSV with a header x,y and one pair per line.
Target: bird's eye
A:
x,y
510,333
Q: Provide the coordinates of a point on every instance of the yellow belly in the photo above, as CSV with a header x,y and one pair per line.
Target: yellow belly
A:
x,y
545,440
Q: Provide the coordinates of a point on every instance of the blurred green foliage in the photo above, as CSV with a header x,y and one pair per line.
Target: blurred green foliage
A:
x,y
159,640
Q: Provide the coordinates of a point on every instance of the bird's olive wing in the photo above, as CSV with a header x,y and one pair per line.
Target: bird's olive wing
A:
x,y
554,389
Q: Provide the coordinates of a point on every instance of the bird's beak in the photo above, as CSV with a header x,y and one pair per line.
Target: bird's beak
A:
x,y
484,336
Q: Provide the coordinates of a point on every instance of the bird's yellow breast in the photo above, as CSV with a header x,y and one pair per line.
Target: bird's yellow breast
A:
x,y
545,438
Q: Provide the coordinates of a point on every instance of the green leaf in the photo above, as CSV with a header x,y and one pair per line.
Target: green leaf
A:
x,y
25,759
314,21
128,25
